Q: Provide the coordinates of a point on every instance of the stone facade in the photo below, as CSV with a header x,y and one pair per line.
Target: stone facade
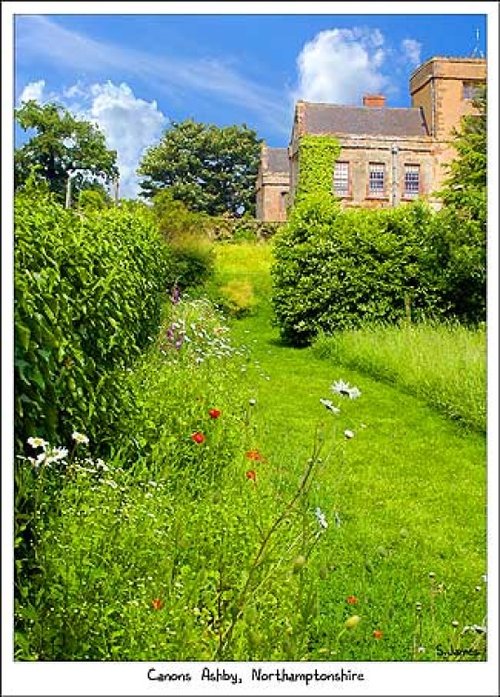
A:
x,y
443,88
388,155
273,184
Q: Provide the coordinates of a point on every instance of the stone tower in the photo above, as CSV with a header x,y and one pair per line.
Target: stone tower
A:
x,y
444,89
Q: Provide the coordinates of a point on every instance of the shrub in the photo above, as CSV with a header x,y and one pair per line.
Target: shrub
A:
x,y
244,229
456,264
175,220
88,295
338,269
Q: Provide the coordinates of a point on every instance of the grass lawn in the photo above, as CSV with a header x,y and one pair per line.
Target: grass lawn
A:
x,y
409,488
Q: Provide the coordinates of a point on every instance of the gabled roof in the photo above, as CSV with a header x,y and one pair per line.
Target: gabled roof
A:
x,y
277,160
360,120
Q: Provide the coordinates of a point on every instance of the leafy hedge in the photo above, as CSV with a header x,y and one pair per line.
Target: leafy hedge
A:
x,y
338,269
88,294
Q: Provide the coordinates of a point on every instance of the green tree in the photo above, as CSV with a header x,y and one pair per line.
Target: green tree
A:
x,y
465,187
210,169
458,260
62,144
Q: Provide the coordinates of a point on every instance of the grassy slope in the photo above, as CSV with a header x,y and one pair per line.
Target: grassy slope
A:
x,y
409,487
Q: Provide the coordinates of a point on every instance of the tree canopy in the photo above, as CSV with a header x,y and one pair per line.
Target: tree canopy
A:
x,y
61,144
210,169
465,187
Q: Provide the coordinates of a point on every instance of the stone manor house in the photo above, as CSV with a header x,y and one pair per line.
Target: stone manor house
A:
x,y
388,155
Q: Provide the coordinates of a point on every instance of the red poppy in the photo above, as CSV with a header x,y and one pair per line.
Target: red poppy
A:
x,y
352,600
377,634
254,455
198,437
157,604
251,474
214,413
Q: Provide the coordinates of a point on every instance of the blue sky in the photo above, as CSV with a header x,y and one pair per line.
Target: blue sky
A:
x,y
134,74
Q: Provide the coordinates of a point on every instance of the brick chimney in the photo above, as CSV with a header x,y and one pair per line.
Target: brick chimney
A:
x,y
374,100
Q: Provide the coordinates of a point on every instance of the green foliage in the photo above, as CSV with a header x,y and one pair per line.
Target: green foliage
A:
x,y
459,230
61,144
317,156
91,199
245,229
192,262
88,293
175,220
210,169
465,188
456,264
337,269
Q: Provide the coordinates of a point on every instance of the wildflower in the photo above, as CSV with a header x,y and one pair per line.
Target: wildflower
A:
x,y
352,622
252,402
478,588
198,437
320,517
57,454
421,649
80,438
349,434
37,442
214,413
157,604
432,574
344,390
377,634
254,455
175,295
36,462
418,607
352,600
330,406
454,623
251,474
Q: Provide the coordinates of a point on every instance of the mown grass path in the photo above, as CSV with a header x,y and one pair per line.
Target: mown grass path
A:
x,y
409,488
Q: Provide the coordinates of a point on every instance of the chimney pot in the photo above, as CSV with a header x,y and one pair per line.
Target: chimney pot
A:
x,y
374,100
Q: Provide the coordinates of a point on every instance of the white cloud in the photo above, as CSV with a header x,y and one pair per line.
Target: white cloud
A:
x,y
129,123
411,50
33,90
340,65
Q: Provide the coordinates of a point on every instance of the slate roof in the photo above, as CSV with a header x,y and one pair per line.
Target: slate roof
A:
x,y
368,121
277,160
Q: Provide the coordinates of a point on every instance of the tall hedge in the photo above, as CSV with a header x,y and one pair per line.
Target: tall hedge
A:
x,y
88,293
338,269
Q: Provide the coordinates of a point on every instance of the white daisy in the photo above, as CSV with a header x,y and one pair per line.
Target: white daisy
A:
x,y
330,406
57,454
79,437
348,434
345,390
320,517
37,442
